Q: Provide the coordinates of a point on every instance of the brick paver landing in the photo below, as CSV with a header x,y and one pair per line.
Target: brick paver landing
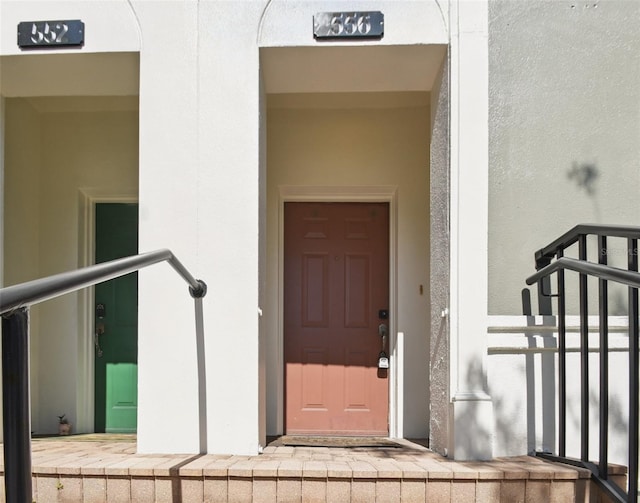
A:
x,y
106,469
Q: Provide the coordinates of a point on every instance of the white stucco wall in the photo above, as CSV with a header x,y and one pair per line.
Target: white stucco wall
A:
x,y
564,102
384,141
523,380
201,180
563,97
167,377
288,23
21,212
564,127
229,202
109,25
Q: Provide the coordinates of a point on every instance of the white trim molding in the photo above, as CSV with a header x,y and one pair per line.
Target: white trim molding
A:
x,y
364,193
471,433
87,199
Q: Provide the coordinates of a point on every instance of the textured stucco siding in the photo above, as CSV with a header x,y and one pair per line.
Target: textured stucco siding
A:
x,y
564,126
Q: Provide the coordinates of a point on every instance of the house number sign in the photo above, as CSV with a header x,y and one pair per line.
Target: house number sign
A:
x,y
38,34
348,24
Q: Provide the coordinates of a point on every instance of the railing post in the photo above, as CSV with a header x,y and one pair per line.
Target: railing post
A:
x,y
603,295
633,375
562,364
15,402
584,354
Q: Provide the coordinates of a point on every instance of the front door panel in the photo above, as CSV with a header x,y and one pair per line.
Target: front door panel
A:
x,y
116,356
336,273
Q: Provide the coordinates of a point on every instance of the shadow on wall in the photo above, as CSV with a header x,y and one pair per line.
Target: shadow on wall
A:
x,y
618,303
547,366
540,367
585,176
547,392
478,429
545,307
438,382
618,417
507,434
525,421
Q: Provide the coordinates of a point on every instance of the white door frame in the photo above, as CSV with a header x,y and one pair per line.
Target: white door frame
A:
x,y
88,198
352,194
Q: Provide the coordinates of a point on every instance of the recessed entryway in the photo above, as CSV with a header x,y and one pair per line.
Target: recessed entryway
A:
x,y
352,148
70,140
353,124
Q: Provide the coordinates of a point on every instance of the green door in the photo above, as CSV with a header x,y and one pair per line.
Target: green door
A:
x,y
116,319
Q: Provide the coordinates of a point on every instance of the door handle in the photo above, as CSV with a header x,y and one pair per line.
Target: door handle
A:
x,y
101,312
96,339
383,331
383,359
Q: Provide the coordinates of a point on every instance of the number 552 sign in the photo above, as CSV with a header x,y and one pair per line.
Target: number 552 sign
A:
x,y
348,24
38,34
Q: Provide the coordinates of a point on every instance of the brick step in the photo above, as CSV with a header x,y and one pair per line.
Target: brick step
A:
x,y
106,471
185,489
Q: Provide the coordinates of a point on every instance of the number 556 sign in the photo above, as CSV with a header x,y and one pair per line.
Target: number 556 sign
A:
x,y
348,24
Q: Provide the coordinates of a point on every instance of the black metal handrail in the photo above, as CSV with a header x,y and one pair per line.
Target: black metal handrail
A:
x,y
14,308
544,256
624,276
39,290
630,277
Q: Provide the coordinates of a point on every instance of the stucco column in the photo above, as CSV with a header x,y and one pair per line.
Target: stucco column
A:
x,y
471,432
229,194
199,195
167,360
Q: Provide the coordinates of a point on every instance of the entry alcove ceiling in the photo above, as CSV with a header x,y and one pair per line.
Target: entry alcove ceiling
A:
x,y
74,74
337,69
324,69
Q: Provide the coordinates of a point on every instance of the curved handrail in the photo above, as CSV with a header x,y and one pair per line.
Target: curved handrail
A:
x,y
39,290
544,255
14,303
629,278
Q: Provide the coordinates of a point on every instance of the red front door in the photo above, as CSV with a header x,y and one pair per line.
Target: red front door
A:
x,y
336,290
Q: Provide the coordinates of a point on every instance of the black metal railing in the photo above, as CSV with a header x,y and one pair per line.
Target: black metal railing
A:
x,y
14,308
551,260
